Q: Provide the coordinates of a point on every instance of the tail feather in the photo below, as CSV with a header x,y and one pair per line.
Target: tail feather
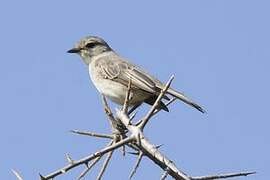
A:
x,y
183,98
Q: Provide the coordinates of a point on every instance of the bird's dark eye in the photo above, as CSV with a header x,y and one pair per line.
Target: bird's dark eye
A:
x,y
90,45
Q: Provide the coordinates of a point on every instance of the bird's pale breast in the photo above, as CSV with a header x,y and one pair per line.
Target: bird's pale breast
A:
x,y
114,90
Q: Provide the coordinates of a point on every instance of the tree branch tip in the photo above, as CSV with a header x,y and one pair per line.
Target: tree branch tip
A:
x,y
17,174
74,131
251,173
159,146
134,153
168,84
42,177
132,116
223,176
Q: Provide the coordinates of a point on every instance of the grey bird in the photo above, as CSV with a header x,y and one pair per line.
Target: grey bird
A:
x,y
111,74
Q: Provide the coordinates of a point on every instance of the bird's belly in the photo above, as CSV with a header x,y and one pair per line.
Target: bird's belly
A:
x,y
116,91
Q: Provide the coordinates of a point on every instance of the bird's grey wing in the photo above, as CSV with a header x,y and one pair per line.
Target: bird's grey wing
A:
x,y
121,71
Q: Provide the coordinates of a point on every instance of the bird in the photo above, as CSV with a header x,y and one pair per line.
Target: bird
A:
x,y
111,75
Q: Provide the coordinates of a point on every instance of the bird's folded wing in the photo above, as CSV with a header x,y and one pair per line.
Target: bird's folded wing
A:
x,y
122,72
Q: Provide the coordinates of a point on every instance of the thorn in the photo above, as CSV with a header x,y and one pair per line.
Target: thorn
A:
x,y
69,159
124,150
159,146
134,153
42,177
63,171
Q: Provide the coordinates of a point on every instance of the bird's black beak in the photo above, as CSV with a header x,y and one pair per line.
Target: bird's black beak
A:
x,y
74,50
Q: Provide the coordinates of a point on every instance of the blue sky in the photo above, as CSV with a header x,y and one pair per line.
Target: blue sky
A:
x,y
217,50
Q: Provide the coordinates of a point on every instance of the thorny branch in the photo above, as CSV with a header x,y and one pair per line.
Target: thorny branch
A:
x,y
126,133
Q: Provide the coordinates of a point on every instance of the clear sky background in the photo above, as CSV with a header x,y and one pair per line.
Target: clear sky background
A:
x,y
218,51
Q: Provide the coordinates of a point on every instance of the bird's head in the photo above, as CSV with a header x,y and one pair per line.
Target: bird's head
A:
x,y
90,47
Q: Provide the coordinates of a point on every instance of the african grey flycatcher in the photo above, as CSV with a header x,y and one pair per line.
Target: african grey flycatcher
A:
x,y
111,74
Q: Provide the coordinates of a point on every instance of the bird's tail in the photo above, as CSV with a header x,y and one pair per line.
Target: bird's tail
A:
x,y
183,98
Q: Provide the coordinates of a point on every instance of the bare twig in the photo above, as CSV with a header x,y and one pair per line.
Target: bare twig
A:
x,y
223,176
93,163
105,164
89,158
18,176
87,133
134,170
154,107
109,113
89,167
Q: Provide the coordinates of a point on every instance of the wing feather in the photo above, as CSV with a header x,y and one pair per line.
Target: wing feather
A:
x,y
122,71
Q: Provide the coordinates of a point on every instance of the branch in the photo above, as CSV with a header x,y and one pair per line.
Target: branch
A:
x,y
89,158
87,133
150,150
223,176
93,163
109,113
124,132
156,104
139,159
104,166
